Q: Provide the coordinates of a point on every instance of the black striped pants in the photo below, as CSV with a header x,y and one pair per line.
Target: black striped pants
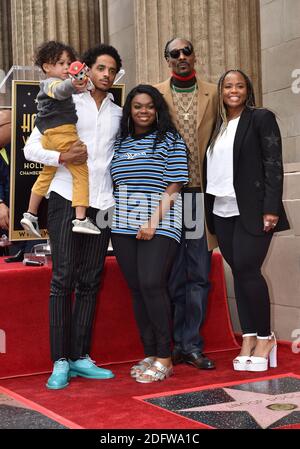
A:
x,y
78,261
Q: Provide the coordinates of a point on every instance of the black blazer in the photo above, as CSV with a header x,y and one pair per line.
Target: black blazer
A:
x,y
257,172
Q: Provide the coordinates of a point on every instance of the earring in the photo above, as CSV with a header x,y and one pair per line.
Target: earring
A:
x,y
128,124
157,118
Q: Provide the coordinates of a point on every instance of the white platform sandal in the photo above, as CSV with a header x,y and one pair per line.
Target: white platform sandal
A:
x,y
240,363
258,364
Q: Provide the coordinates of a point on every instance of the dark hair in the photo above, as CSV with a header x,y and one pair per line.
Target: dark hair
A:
x,y
163,124
166,50
222,113
49,53
90,56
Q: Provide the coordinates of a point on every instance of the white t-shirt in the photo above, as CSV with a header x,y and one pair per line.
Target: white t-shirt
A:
x,y
98,129
220,172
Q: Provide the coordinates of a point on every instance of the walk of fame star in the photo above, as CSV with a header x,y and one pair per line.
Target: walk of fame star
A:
x,y
8,401
256,404
267,403
15,413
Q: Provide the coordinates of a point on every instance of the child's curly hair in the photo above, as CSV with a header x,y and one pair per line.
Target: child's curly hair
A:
x,y
50,52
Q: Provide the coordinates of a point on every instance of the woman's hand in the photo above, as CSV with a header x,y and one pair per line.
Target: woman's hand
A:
x,y
168,198
146,232
270,221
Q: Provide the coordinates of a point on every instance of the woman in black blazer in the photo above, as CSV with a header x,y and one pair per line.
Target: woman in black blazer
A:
x,y
243,178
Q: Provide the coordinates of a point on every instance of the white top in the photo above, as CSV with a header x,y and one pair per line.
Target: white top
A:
x,y
220,172
98,129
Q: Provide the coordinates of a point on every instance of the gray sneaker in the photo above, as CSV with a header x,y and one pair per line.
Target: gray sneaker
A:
x,y
85,226
30,224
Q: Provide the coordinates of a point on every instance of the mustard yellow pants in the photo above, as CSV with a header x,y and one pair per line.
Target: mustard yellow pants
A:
x,y
60,139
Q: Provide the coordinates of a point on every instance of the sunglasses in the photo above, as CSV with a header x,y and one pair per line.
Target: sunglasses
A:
x,y
187,51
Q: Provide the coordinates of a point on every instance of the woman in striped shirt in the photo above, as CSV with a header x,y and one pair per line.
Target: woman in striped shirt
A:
x,y
149,169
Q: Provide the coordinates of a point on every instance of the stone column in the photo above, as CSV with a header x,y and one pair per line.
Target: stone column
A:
x,y
5,36
225,34
75,22
103,14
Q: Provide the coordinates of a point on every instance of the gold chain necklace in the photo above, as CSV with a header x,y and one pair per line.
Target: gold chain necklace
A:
x,y
186,115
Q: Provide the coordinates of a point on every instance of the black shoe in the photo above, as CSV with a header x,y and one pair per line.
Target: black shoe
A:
x,y
16,258
177,356
199,360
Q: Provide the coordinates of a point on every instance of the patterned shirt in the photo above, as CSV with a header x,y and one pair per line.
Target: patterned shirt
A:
x,y
140,175
187,100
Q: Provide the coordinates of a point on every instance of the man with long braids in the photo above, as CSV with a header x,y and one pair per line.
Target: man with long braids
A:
x,y
193,108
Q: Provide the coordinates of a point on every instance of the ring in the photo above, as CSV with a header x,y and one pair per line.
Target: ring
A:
x,y
273,224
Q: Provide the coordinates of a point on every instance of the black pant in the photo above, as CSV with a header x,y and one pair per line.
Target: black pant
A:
x,y
146,266
77,262
245,254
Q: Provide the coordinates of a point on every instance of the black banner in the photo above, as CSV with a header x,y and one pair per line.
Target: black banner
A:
x,y
23,173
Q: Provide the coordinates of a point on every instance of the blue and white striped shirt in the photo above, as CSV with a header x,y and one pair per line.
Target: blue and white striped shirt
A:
x,y
141,175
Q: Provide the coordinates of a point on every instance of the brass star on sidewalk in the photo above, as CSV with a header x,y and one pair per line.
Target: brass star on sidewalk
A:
x,y
265,409
8,401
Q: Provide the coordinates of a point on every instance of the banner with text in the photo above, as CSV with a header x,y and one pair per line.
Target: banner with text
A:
x,y
23,173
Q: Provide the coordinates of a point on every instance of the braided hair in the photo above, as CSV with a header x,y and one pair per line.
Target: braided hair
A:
x,y
222,121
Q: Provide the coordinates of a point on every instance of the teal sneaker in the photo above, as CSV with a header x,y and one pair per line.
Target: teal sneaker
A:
x,y
60,375
86,367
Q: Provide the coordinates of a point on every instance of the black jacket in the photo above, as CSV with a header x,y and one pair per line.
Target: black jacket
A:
x,y
257,172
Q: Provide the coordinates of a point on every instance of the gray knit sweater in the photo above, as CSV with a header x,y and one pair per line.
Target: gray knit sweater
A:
x,y
55,104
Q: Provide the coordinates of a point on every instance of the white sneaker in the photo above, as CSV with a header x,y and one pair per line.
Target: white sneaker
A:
x,y
30,224
85,226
